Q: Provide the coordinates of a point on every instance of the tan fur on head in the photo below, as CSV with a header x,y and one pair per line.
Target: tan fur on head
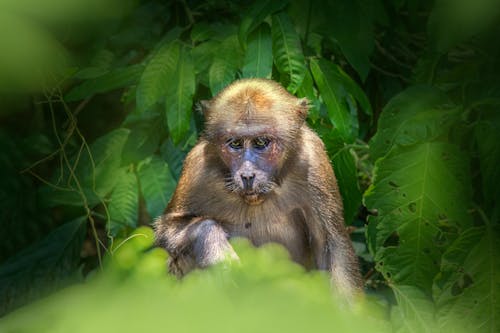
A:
x,y
255,102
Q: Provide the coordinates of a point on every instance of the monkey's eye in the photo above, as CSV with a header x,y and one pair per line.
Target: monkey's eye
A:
x,y
235,144
261,142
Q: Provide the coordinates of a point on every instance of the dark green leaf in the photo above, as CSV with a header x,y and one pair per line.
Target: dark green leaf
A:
x,y
347,178
287,52
157,184
334,96
227,60
257,13
352,28
44,266
142,141
124,204
259,54
117,78
417,114
179,97
157,76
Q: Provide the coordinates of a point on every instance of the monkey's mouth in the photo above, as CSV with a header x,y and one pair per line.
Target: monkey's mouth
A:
x,y
253,198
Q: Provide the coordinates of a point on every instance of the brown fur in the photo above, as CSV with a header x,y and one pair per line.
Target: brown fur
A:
x,y
303,212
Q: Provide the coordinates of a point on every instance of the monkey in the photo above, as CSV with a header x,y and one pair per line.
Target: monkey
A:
x,y
258,171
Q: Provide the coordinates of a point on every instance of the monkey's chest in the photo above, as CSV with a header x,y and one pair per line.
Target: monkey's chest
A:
x,y
285,229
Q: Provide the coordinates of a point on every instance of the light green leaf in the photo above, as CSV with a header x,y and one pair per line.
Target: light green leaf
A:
x,y
334,96
227,60
259,54
417,114
117,78
422,194
287,52
124,204
415,311
157,184
179,97
157,76
467,292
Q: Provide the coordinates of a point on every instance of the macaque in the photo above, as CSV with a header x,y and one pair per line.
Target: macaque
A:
x,y
258,171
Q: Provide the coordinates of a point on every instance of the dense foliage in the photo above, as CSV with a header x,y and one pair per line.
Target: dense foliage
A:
x,y
97,104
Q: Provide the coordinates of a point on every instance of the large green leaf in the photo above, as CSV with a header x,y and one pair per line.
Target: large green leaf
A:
x,y
157,76
334,96
226,62
157,184
124,204
422,194
415,311
417,114
179,97
467,292
44,266
259,54
117,78
287,52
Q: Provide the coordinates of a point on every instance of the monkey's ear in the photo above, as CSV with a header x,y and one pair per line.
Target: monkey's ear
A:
x,y
303,107
203,106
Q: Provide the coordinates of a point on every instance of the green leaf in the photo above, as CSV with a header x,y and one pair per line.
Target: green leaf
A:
x,y
256,15
453,21
174,156
347,179
142,141
226,62
334,95
259,54
352,28
43,267
421,193
467,292
157,76
95,171
179,97
287,52
117,78
124,204
415,311
417,114
157,184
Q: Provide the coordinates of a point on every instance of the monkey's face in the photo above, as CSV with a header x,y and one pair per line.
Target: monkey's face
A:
x,y
253,162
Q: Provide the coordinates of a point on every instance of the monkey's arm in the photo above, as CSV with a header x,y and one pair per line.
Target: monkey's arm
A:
x,y
186,231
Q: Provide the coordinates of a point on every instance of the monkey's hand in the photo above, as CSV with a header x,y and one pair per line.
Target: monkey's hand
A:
x,y
210,244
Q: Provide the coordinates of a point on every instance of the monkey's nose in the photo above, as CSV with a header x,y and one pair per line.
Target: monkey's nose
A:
x,y
248,181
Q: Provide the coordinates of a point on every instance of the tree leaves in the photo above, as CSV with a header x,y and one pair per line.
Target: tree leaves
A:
x,y
334,95
226,62
156,77
259,54
287,52
124,204
157,184
416,212
179,97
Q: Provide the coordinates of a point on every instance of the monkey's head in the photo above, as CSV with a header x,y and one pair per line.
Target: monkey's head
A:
x,y
254,124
